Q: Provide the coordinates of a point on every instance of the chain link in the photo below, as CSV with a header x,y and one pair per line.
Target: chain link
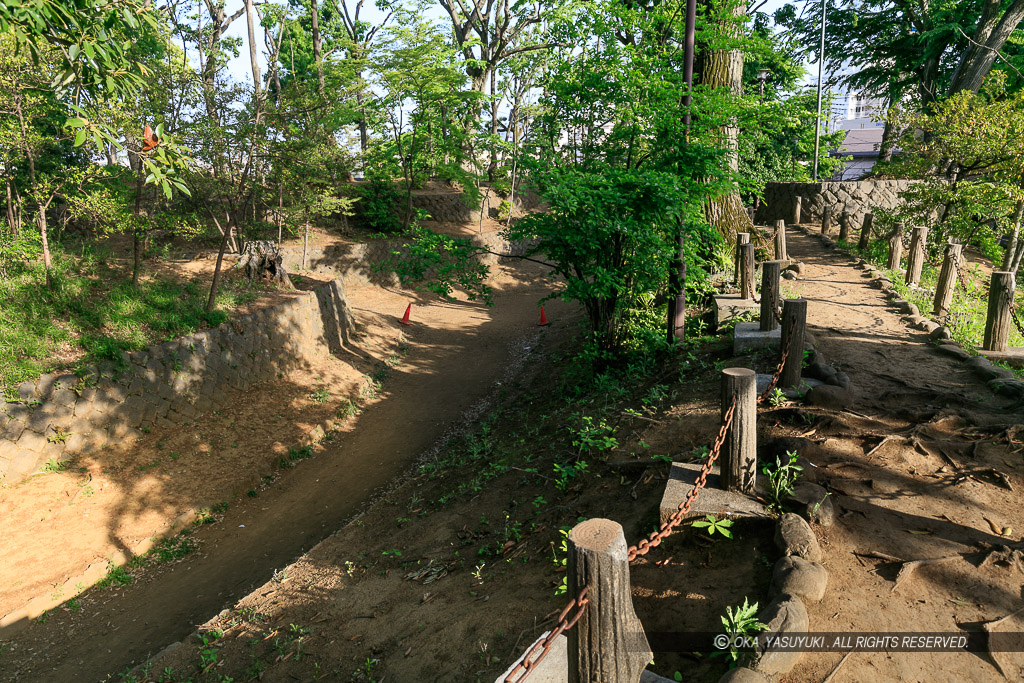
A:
x,y
766,394
1014,315
541,649
656,537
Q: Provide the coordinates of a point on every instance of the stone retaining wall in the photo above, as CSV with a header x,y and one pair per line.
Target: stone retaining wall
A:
x,y
859,197
168,385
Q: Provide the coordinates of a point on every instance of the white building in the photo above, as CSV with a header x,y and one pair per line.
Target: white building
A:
x,y
855,112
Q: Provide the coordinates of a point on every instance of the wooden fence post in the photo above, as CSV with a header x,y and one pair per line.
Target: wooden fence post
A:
x,y
826,219
739,452
794,324
796,210
947,279
997,323
865,231
771,294
845,220
608,644
747,271
895,247
741,239
915,259
781,252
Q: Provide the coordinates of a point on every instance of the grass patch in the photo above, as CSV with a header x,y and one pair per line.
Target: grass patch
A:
x,y
93,314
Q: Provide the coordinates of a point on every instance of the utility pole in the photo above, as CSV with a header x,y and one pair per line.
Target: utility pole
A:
x,y
677,273
817,121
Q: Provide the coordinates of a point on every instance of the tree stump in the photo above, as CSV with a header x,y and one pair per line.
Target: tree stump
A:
x,y
771,295
895,247
997,323
781,252
262,259
845,224
947,279
865,231
794,324
915,259
741,239
747,271
608,644
739,452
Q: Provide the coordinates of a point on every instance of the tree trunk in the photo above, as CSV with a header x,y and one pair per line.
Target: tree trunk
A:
x,y
41,219
10,210
1011,248
990,36
317,47
724,69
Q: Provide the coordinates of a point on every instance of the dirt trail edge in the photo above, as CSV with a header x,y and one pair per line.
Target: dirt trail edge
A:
x,y
459,353
922,462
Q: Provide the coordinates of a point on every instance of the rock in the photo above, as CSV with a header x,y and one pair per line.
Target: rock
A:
x,y
813,503
785,614
789,275
842,380
829,396
929,326
1012,388
916,321
797,268
794,536
982,367
941,334
819,370
953,350
742,675
796,576
1002,373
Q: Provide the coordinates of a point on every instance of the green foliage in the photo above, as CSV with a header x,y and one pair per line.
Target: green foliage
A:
x,y
95,318
439,263
713,524
741,622
378,207
782,477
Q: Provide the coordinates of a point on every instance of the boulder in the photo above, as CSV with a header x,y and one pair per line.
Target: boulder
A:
x,y
796,576
794,536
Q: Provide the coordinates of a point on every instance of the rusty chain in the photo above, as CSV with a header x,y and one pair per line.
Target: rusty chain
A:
x,y
529,662
539,651
766,394
1014,316
656,537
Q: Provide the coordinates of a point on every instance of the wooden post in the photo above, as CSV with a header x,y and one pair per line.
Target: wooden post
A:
x,y
947,279
781,252
845,220
741,239
739,452
997,324
608,644
915,259
770,294
865,231
826,219
747,271
896,247
793,339
797,201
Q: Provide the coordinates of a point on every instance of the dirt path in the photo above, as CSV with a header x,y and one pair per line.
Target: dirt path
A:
x,y
457,351
906,501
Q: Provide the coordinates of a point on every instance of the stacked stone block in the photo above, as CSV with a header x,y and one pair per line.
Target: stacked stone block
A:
x,y
170,384
858,197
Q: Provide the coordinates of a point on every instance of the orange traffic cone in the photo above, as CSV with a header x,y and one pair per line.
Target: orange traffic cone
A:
x,y
543,318
405,318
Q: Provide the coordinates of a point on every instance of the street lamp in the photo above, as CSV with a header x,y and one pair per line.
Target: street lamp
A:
x,y
817,121
762,76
